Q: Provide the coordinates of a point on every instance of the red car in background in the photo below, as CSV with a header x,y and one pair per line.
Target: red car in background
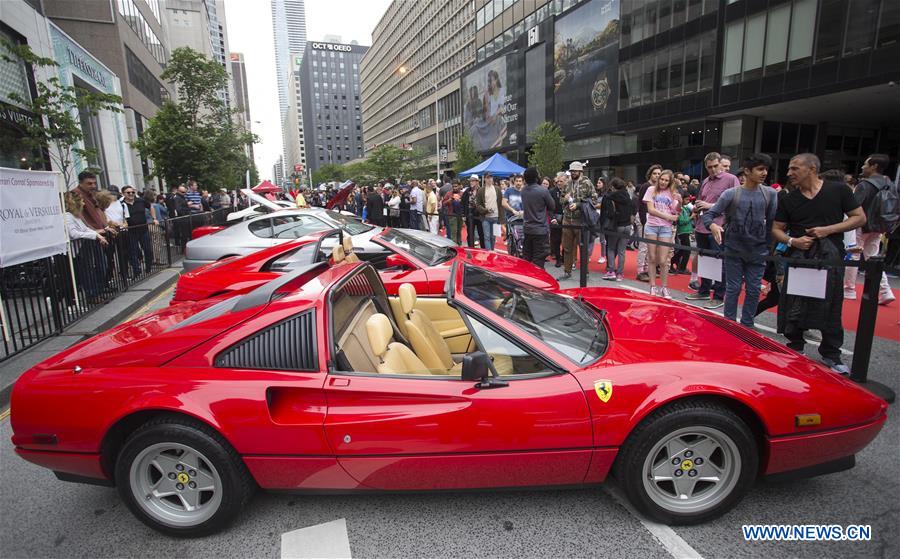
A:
x,y
320,380
407,258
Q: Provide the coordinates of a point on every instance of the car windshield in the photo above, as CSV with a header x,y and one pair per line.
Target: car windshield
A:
x,y
418,247
566,324
347,223
297,258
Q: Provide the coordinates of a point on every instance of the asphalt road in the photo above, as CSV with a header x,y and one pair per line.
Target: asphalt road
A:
x,y
43,517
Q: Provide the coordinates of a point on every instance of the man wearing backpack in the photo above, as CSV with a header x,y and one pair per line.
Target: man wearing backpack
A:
x,y
749,212
878,197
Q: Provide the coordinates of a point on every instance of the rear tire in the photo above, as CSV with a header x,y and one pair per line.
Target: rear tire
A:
x,y
182,478
716,455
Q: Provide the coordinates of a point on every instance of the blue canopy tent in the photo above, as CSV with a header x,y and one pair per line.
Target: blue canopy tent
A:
x,y
496,165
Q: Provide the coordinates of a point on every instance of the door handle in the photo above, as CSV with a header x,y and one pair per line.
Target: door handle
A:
x,y
339,382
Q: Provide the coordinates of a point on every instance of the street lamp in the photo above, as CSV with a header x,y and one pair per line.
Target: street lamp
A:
x,y
403,70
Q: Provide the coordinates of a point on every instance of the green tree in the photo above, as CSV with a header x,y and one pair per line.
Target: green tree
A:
x,y
195,137
548,149
360,172
387,161
327,173
56,132
466,154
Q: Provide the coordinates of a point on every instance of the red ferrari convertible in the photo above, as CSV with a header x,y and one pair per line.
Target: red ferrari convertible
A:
x,y
406,257
320,380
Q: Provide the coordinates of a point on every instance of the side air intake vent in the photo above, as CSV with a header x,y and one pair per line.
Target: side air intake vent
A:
x,y
739,332
289,345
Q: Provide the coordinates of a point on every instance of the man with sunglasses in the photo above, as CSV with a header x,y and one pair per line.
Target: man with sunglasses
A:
x,y
139,230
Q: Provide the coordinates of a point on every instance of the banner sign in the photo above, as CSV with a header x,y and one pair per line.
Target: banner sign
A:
x,y
31,219
586,67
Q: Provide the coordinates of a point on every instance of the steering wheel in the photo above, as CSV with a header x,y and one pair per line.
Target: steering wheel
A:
x,y
513,297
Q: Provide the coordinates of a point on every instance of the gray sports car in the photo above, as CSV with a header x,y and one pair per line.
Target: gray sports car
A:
x,y
281,226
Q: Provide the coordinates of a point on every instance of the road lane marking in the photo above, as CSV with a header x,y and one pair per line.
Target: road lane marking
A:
x,y
811,341
666,536
4,415
327,541
149,304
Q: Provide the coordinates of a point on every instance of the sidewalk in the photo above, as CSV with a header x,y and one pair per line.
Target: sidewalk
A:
x,y
103,318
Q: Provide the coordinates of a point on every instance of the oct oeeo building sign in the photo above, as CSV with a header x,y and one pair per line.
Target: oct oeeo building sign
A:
x,y
332,46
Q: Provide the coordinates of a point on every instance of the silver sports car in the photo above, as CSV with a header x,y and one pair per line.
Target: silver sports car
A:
x,y
282,226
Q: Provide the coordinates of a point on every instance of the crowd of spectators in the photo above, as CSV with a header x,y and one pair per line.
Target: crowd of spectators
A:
x,y
735,215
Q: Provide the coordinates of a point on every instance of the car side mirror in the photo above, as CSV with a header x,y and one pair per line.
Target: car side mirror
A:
x,y
398,261
476,366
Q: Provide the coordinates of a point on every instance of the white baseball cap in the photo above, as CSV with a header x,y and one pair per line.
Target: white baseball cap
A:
x,y
576,166
474,178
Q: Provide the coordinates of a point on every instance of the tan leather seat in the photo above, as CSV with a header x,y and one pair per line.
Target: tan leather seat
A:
x,y
337,254
348,250
426,341
395,358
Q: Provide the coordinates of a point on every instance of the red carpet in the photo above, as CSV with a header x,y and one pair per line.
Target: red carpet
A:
x,y
887,323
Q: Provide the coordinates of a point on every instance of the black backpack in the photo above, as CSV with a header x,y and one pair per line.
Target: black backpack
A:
x,y
883,208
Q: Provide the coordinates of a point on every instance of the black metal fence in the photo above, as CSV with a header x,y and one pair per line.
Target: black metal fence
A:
x,y
38,297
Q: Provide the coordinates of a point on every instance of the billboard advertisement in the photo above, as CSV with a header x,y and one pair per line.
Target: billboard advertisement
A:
x,y
490,105
585,67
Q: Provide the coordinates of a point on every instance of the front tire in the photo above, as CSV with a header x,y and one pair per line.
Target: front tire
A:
x,y
181,478
688,463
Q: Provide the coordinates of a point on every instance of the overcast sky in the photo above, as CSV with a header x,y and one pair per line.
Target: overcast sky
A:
x,y
250,32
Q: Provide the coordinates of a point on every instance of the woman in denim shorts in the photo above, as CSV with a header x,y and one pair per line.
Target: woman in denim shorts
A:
x,y
663,207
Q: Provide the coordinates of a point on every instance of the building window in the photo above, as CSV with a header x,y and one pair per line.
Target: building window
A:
x,y
862,18
731,59
889,30
777,30
800,44
831,27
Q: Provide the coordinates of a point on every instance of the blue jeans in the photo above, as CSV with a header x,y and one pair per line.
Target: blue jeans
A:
x,y
487,226
706,240
415,219
747,272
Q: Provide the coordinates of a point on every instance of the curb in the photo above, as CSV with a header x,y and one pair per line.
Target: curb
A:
x,y
74,330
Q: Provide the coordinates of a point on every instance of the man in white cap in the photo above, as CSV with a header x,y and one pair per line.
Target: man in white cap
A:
x,y
577,191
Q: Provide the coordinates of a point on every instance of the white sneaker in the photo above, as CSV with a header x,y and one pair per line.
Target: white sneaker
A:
x,y
602,260
886,298
850,294
665,293
654,291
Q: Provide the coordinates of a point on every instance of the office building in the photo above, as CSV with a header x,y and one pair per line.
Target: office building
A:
x,y
330,94
636,82
200,25
129,38
278,172
434,40
289,27
294,140
104,133
241,96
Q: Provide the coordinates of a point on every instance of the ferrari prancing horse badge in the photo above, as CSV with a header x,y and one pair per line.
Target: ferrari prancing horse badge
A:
x,y
603,388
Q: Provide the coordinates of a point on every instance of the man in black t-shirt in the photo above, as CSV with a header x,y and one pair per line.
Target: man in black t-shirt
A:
x,y
810,220
138,230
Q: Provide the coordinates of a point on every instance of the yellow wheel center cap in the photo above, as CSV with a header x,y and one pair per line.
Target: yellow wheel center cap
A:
x,y
687,465
183,477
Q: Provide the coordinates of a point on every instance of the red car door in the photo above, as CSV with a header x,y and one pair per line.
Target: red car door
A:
x,y
442,433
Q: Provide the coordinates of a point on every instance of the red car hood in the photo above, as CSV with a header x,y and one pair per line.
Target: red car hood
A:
x,y
510,266
646,329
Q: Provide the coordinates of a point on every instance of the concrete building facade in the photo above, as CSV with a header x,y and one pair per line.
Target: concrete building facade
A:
x,y
329,82
105,133
129,38
435,41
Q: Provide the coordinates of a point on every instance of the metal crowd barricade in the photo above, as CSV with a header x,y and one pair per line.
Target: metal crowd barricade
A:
x,y
38,297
